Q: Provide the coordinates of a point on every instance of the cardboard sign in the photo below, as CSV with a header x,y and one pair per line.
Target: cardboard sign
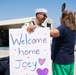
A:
x,y
30,52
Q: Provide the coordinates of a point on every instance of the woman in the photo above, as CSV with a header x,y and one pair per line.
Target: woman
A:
x,y
62,44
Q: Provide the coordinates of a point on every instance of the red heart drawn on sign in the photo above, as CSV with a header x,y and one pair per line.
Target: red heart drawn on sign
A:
x,y
41,61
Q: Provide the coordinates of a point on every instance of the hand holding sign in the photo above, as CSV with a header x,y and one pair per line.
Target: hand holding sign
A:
x,y
30,28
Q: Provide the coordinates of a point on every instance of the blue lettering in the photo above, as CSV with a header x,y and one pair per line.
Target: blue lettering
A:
x,y
31,65
19,64
28,52
23,39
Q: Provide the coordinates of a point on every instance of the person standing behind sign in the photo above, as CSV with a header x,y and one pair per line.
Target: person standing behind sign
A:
x,y
41,15
62,51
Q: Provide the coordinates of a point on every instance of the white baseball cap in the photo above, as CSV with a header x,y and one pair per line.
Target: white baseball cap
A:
x,y
41,10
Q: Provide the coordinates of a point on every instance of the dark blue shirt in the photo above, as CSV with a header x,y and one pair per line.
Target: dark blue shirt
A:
x,y
63,46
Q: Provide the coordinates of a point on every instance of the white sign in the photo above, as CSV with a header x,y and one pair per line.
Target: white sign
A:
x,y
30,52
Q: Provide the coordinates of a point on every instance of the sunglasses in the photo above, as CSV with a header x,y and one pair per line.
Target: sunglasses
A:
x,y
43,14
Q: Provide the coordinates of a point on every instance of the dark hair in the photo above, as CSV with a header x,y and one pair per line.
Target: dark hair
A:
x,y
68,18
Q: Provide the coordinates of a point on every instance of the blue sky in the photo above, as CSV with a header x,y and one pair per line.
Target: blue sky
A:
x,y
13,9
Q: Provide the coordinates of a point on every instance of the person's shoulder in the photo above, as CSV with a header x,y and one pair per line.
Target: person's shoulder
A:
x,y
30,22
25,25
42,26
62,26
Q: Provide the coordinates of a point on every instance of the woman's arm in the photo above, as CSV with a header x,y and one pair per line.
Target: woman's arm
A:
x,y
53,33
